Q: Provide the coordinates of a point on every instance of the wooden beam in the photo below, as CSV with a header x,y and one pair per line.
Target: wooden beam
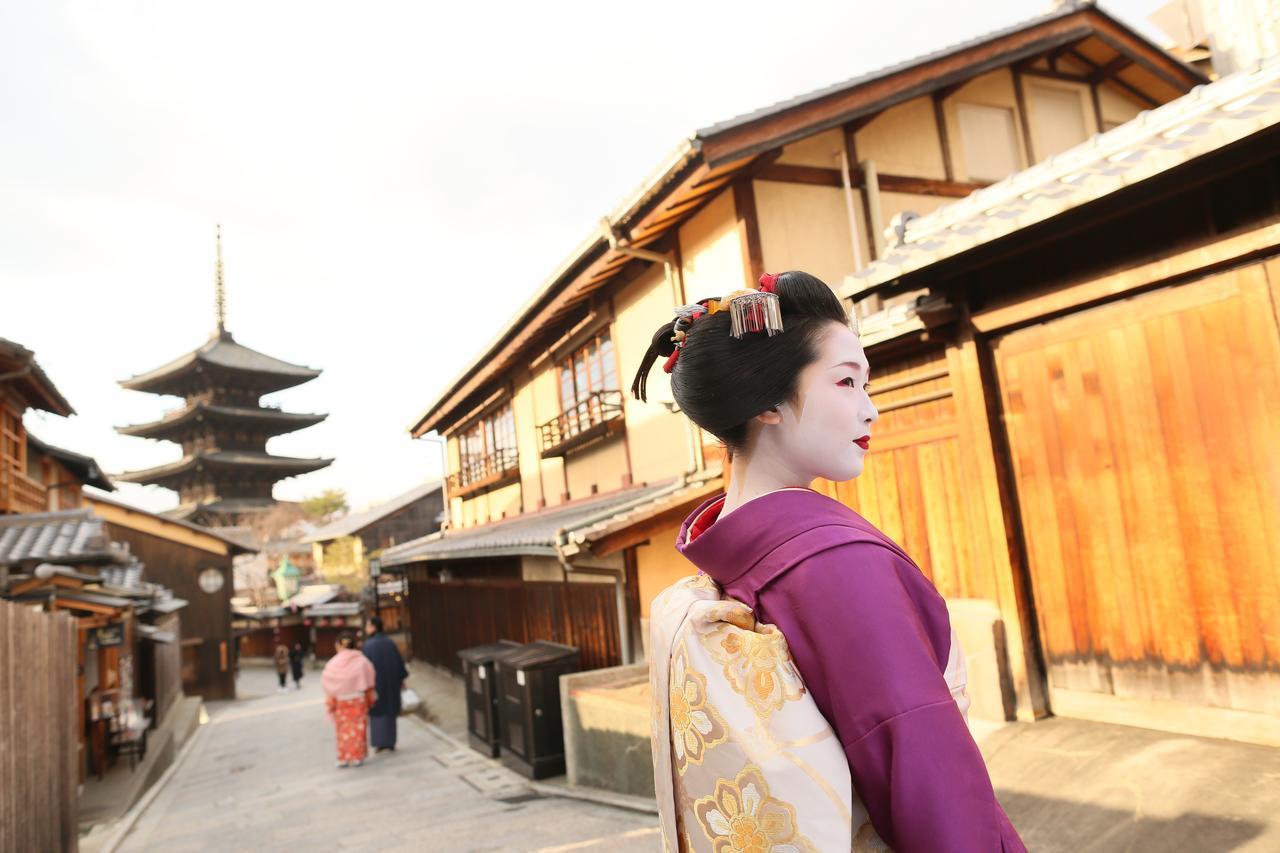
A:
x,y
1055,75
929,186
1024,118
944,139
819,176
1192,262
791,174
1116,81
1097,107
1111,69
744,205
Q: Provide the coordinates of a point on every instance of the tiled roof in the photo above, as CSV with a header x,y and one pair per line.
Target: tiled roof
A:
x,y
1206,119
542,532
84,467
357,521
696,491
1062,11
73,535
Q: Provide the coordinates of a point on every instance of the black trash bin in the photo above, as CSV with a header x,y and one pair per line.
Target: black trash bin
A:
x,y
529,713
482,694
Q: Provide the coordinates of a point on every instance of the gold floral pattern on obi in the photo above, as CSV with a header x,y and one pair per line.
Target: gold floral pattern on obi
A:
x,y
741,817
754,656
695,724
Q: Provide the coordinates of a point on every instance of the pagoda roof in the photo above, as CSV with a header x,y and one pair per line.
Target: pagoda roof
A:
x,y
278,421
222,351
219,510
287,466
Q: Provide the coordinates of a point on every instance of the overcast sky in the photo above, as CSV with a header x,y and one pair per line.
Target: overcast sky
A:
x,y
392,179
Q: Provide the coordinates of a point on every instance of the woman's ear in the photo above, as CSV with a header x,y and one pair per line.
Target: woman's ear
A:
x,y
769,416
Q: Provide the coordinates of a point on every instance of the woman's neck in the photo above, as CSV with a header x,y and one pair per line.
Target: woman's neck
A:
x,y
753,478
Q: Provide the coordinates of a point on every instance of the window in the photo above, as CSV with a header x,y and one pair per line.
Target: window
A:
x,y
583,374
488,448
1057,119
989,138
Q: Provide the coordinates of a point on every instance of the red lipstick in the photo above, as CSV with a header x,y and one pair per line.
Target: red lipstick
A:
x,y
864,442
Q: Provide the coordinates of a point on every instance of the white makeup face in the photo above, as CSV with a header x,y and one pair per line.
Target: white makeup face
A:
x,y
827,431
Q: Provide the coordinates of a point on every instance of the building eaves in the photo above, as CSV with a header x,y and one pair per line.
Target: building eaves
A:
x,y
238,545
1207,119
536,533
228,458
223,351
355,522
54,402
86,467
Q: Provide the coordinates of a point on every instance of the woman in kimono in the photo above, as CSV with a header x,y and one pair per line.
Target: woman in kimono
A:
x,y
839,616
348,681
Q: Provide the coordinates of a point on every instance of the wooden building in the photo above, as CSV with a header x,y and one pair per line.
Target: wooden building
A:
x,y
342,549
225,472
540,433
28,467
1104,332
126,652
195,562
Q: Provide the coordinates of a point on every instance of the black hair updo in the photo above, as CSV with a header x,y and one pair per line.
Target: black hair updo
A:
x,y
722,382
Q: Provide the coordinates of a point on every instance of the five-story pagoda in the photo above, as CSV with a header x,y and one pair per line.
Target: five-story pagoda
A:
x,y
225,472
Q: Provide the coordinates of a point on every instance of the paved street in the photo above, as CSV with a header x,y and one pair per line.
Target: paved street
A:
x,y
261,777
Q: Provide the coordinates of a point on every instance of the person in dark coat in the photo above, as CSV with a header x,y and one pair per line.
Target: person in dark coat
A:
x,y
296,658
391,673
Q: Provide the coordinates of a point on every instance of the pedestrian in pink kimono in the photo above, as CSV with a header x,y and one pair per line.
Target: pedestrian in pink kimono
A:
x,y
809,692
348,682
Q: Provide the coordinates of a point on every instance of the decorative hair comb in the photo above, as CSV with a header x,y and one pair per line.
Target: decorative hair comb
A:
x,y
749,311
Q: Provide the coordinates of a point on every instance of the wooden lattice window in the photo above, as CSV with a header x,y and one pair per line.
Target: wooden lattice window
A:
x,y
590,369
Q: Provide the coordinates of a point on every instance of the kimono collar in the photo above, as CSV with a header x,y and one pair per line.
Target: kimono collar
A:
x,y
726,548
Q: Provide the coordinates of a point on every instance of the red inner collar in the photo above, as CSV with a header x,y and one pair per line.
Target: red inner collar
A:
x,y
705,519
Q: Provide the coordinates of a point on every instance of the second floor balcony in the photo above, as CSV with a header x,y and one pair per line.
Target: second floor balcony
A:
x,y
593,418
20,493
485,472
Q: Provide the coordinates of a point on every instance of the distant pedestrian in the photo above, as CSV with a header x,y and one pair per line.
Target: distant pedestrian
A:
x,y
282,666
382,652
296,658
348,682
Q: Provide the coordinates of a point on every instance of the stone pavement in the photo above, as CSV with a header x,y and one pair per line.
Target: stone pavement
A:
x,y
261,777
1076,785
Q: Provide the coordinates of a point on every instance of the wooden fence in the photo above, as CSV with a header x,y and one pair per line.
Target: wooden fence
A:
x,y
452,615
38,737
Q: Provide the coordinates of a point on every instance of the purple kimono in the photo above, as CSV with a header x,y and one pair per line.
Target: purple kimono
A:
x,y
871,637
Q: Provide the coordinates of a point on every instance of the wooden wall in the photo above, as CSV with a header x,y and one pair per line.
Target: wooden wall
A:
x,y
448,616
911,486
1143,436
206,620
39,759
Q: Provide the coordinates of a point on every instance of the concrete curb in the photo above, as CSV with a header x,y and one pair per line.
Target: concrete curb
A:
x,y
122,827
591,795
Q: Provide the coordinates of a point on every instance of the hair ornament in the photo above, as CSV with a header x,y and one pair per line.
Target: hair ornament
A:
x,y
755,310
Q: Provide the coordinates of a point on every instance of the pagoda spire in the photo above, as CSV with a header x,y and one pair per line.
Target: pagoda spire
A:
x,y
220,289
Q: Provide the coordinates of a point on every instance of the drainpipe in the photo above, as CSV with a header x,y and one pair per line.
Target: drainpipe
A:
x,y
677,297
562,544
